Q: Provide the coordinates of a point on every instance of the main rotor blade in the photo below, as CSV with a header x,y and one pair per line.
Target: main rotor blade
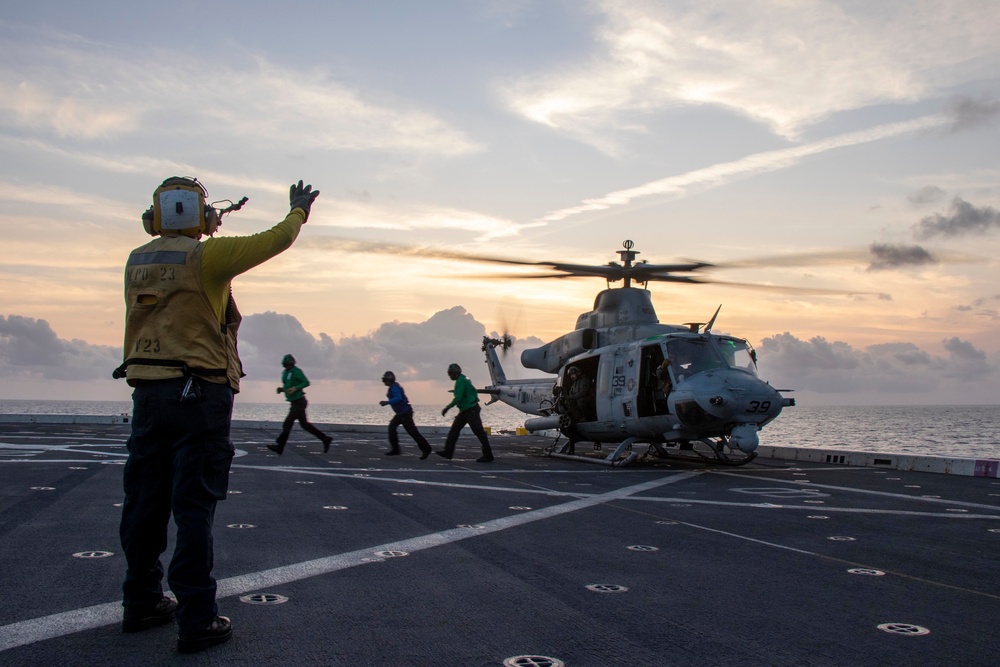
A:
x,y
789,288
878,256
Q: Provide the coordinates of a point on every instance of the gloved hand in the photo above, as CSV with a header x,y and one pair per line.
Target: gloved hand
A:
x,y
300,196
444,412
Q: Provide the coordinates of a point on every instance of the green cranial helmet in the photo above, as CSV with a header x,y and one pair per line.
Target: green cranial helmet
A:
x,y
288,361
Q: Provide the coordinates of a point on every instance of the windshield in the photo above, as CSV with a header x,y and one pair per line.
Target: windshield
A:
x,y
738,354
689,356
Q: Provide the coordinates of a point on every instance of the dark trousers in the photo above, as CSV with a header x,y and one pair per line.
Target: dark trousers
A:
x,y
178,463
475,422
297,412
405,419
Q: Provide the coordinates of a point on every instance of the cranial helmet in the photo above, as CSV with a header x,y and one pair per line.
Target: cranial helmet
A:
x,y
179,207
388,376
288,361
454,369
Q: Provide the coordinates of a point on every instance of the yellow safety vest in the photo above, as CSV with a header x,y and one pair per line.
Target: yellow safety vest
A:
x,y
171,329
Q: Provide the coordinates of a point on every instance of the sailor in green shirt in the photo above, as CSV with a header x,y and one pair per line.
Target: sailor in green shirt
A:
x,y
467,401
293,381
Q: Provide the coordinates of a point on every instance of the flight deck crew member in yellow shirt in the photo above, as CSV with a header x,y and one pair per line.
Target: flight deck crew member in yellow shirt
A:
x,y
181,359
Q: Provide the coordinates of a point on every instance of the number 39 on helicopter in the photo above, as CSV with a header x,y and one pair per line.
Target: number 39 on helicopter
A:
x,y
623,378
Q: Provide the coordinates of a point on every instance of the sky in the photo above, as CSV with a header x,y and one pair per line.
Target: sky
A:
x,y
838,145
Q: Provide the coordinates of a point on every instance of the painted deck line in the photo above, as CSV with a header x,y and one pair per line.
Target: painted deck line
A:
x,y
88,618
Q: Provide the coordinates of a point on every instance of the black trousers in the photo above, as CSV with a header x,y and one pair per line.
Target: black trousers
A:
x,y
179,455
475,422
405,419
297,413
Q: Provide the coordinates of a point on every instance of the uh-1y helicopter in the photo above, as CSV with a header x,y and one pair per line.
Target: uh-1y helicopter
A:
x,y
682,389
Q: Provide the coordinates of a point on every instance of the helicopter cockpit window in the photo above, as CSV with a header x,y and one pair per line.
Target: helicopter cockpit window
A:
x,y
690,356
738,354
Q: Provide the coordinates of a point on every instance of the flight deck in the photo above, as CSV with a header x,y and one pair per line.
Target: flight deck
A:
x,y
356,558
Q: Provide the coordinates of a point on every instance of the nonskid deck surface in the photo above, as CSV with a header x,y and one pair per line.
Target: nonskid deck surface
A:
x,y
356,558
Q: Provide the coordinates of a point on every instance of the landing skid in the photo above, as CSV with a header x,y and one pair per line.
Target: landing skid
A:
x,y
709,450
618,458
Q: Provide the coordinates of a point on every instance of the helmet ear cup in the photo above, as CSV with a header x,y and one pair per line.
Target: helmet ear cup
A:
x,y
147,221
210,220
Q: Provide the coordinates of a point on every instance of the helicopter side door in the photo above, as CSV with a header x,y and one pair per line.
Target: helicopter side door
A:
x,y
617,380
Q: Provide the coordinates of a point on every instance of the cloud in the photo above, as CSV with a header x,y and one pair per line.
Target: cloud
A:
x,y
889,256
90,91
786,65
700,180
963,219
412,350
29,348
927,195
823,367
972,112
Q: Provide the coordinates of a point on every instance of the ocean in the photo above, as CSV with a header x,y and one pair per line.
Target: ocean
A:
x,y
954,431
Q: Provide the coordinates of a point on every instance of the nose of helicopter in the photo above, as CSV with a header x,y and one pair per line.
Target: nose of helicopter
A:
x,y
733,403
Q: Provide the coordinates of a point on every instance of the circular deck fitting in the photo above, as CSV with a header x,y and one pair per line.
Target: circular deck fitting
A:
x,y
606,588
800,474
680,504
895,479
841,538
817,516
533,661
117,504
950,509
234,493
93,554
815,502
912,486
642,547
43,488
903,629
241,526
867,571
77,468
402,494
334,507
361,474
304,482
391,554
263,598
518,507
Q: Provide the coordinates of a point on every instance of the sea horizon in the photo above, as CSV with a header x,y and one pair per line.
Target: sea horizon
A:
x,y
965,431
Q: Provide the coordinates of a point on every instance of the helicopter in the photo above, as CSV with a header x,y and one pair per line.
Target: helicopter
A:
x,y
682,389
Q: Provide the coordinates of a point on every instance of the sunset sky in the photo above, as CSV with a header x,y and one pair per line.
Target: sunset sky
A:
x,y
865,134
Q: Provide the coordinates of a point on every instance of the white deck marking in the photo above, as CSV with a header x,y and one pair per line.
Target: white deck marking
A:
x,y
88,618
869,492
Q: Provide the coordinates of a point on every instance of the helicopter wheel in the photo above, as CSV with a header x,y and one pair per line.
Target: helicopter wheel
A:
x,y
722,452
